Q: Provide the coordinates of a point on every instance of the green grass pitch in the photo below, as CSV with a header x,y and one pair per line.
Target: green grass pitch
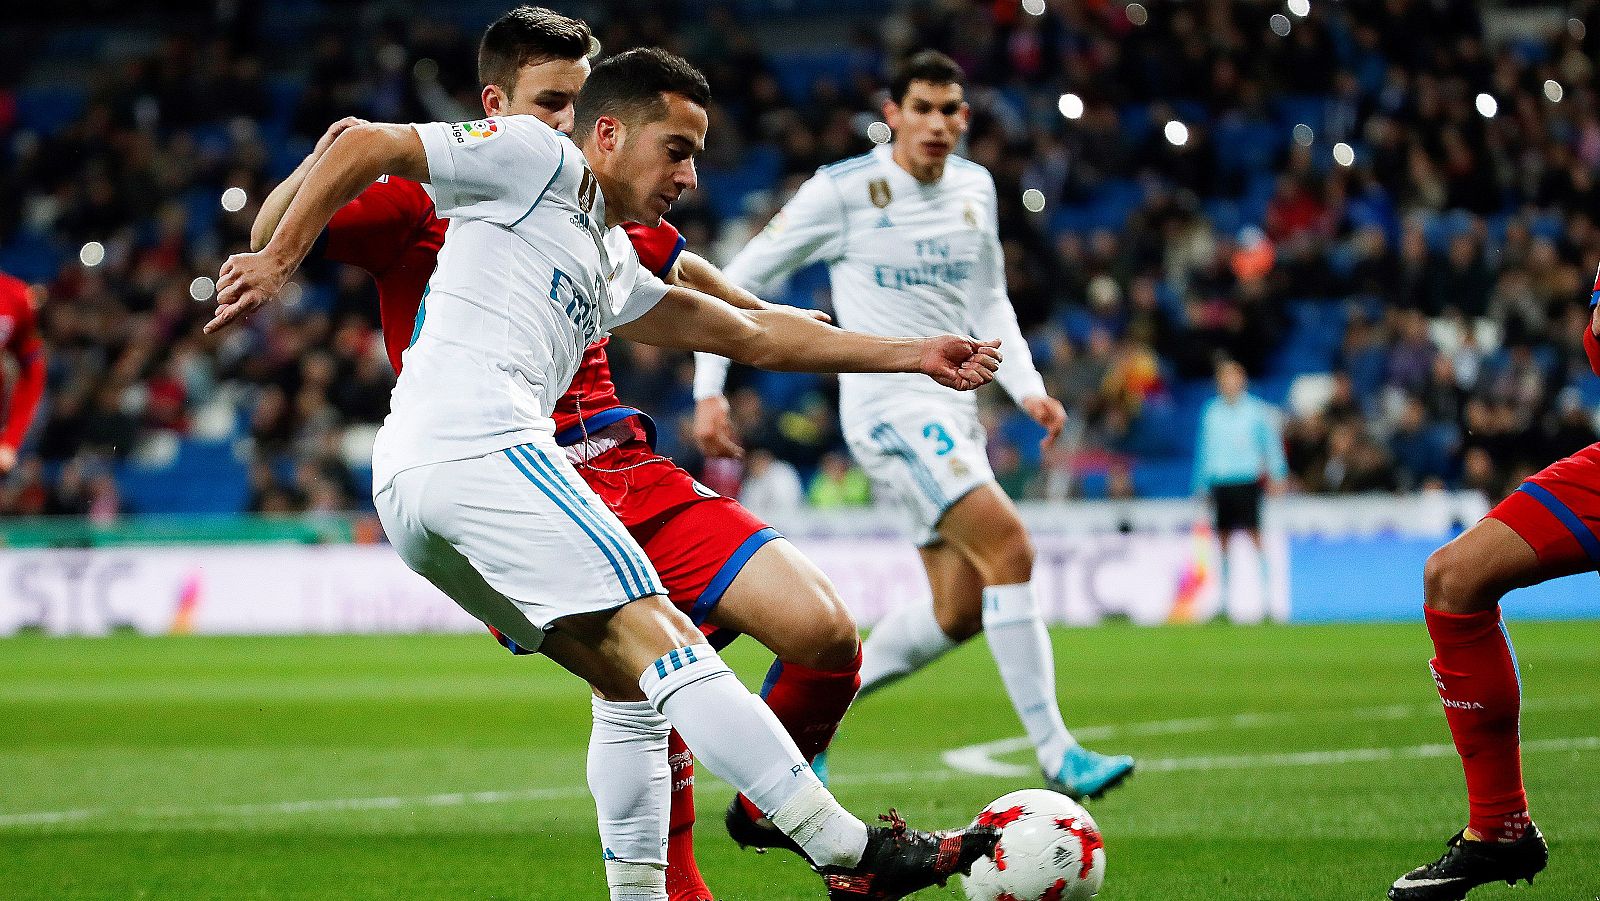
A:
x,y
1279,763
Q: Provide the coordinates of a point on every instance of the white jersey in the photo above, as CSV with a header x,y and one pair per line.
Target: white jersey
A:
x,y
905,259
527,278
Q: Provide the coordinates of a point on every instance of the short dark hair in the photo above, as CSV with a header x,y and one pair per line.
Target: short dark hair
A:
x,y
528,34
629,86
925,65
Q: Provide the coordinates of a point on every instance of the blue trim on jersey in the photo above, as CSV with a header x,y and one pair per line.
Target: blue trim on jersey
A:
x,y
422,313
718,586
774,673
848,165
582,523
560,164
890,441
672,258
591,424
1585,537
640,570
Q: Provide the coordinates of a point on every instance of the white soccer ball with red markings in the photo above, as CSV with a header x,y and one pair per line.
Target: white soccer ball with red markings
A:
x,y
1049,850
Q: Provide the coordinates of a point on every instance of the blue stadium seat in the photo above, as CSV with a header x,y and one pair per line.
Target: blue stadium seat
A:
x,y
49,109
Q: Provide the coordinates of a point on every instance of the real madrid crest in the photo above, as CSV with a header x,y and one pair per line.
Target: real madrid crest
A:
x,y
970,215
587,187
878,190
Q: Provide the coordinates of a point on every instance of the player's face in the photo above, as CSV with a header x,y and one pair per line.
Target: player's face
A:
x,y
655,160
545,89
928,122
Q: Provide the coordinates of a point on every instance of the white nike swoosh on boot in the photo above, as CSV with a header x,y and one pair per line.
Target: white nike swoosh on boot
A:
x,y
1408,882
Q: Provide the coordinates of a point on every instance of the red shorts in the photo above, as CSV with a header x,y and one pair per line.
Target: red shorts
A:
x,y
697,539
1557,511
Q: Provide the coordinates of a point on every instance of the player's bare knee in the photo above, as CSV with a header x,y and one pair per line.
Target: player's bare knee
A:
x,y
960,625
832,639
1453,581
1008,556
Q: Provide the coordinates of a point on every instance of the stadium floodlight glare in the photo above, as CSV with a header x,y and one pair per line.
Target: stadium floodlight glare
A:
x,y
1344,154
1070,105
1487,106
233,199
202,288
1137,14
1033,200
879,133
1300,8
1177,133
1303,135
1033,7
1553,91
1280,24
92,254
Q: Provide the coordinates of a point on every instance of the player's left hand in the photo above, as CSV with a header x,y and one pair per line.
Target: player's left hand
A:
x,y
960,363
1048,412
247,281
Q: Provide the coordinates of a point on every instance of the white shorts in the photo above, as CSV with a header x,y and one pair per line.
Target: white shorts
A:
x,y
516,538
926,456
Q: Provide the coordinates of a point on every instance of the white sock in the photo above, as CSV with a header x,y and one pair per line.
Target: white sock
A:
x,y
636,881
1021,650
632,783
908,639
737,737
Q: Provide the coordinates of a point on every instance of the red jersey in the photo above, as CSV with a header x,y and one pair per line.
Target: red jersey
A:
x,y
392,232
19,335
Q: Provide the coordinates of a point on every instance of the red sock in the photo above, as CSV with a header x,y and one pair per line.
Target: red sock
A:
x,y
684,882
809,703
1476,673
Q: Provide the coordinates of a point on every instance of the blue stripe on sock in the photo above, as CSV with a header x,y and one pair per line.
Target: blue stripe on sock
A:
x,y
1585,537
1515,668
641,585
774,673
661,669
677,662
615,566
689,653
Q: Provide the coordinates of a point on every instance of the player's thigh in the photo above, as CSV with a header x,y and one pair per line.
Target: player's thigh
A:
x,y
926,457
957,590
784,601
611,649
985,526
1544,530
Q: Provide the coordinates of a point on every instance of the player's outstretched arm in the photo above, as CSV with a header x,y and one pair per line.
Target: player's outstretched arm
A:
x,y
353,161
277,202
789,341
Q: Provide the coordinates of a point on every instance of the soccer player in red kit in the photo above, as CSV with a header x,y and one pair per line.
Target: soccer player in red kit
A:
x,y
730,572
19,334
1548,528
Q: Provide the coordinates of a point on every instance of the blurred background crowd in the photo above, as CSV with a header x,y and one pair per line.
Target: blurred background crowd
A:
x,y
1385,209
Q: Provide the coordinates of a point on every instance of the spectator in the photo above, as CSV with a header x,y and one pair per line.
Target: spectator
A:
x,y
771,487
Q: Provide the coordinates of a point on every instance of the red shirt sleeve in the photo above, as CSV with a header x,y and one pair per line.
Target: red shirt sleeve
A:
x,y
24,342
1591,348
376,228
658,247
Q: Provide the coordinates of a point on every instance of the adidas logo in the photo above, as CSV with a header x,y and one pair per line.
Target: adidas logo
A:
x,y
885,222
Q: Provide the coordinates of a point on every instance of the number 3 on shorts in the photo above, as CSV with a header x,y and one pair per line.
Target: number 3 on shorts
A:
x,y
937,433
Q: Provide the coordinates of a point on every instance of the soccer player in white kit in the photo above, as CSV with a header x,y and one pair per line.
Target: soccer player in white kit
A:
x,y
476,496
910,235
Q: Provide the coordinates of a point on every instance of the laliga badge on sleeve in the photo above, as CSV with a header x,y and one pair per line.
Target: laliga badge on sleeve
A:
x,y
475,131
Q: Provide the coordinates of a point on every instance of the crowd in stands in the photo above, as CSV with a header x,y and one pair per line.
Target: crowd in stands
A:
x,y
1405,274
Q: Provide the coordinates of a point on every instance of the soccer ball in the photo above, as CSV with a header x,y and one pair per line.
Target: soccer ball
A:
x,y
1049,850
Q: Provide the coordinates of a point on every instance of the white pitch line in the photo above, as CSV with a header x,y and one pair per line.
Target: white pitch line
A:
x,y
188,815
